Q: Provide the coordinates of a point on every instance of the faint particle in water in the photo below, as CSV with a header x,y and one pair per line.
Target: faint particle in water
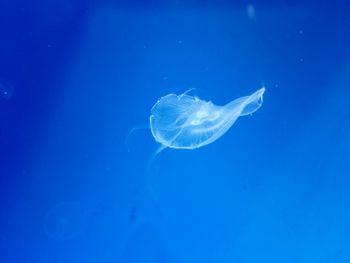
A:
x,y
251,12
6,90
145,244
65,221
103,208
187,122
132,215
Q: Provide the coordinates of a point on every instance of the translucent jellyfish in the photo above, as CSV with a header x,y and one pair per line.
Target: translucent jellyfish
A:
x,y
187,122
65,221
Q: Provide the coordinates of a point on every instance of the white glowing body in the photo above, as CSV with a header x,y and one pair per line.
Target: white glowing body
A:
x,y
187,122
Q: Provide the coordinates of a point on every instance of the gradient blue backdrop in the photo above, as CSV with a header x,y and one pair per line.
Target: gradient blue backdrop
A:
x,y
76,76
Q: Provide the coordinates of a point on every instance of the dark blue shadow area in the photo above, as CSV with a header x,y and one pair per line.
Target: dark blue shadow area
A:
x,y
77,76
37,38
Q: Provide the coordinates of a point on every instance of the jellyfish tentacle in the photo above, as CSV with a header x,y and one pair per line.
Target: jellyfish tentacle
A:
x,y
131,132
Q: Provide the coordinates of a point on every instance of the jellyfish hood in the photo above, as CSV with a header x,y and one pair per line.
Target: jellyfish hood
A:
x,y
187,122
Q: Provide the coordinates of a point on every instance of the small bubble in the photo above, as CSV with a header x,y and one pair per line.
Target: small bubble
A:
x,y
6,90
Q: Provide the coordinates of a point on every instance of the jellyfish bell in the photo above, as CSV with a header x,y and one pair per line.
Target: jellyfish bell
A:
x,y
187,122
65,220
144,127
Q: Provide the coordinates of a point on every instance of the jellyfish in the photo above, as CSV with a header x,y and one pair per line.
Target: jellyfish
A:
x,y
188,122
65,221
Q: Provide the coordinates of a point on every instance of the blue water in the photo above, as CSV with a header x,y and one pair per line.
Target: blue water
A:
x,y
77,76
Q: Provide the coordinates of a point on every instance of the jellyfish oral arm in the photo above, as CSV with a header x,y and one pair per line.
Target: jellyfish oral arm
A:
x,y
250,103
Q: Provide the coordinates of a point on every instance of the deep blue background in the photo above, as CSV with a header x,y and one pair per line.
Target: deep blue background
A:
x,y
76,76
